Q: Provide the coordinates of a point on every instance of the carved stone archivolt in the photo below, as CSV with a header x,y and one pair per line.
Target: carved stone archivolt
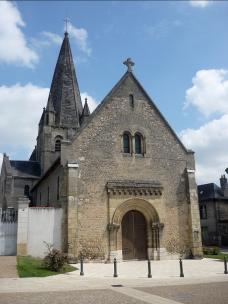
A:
x,y
135,188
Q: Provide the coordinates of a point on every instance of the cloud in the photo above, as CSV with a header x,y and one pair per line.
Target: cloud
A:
x,y
80,35
210,142
209,93
92,103
200,3
21,108
46,39
52,38
14,48
162,28
77,35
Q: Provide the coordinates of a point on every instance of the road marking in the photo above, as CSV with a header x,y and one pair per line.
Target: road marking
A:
x,y
144,296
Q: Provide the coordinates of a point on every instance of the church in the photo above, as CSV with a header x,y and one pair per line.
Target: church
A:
x,y
123,178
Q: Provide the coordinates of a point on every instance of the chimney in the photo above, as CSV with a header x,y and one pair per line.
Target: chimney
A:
x,y
223,182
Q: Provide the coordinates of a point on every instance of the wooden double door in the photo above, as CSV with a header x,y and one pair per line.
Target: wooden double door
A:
x,y
134,236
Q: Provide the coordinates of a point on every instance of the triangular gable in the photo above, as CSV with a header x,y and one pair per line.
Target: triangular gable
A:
x,y
151,103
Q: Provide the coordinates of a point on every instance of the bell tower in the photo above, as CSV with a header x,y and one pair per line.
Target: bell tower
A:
x,y
62,116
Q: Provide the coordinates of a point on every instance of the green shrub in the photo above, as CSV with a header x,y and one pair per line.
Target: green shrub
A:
x,y
55,260
213,250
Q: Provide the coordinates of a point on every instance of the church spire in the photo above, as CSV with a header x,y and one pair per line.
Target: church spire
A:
x,y
64,97
85,112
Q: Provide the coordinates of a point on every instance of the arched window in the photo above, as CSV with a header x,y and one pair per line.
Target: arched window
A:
x,y
131,100
58,145
126,143
26,190
138,143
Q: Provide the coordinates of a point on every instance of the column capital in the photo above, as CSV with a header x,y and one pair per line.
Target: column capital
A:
x,y
113,227
157,226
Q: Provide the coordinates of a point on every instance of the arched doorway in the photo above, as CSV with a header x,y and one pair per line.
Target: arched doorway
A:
x,y
134,235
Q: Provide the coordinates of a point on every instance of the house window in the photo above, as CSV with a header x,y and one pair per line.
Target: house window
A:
x,y
138,144
204,231
58,145
131,100
26,190
126,143
203,212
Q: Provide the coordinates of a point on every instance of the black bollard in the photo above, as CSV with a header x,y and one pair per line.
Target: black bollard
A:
x,y
181,269
115,275
149,269
225,266
81,266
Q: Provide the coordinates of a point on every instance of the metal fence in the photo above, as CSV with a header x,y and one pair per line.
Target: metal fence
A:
x,y
8,215
8,231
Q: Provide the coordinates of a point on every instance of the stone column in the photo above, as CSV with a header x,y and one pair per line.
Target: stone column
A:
x,y
114,252
72,209
194,218
156,231
22,228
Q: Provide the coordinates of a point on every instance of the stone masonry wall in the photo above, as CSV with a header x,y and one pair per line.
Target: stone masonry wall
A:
x,y
99,151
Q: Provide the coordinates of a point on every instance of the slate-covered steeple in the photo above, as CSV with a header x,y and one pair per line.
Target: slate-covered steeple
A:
x,y
85,112
64,98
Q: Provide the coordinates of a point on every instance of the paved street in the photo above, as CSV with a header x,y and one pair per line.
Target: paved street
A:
x,y
70,297
210,293
204,283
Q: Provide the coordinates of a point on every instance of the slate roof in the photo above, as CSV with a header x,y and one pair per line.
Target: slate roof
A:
x,y
209,192
64,97
23,168
86,111
33,155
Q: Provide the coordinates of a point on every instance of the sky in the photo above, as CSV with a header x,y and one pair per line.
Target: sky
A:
x,y
180,50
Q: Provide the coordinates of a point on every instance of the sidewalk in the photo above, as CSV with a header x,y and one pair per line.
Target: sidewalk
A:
x,y
8,267
160,269
130,274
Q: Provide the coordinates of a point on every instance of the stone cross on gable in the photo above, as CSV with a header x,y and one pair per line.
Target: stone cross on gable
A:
x,y
129,63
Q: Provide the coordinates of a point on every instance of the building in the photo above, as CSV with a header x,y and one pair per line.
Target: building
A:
x,y
17,178
213,205
124,179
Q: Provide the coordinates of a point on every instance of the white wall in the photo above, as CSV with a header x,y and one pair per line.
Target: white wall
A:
x,y
44,224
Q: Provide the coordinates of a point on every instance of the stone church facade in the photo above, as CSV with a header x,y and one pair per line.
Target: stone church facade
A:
x,y
125,181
